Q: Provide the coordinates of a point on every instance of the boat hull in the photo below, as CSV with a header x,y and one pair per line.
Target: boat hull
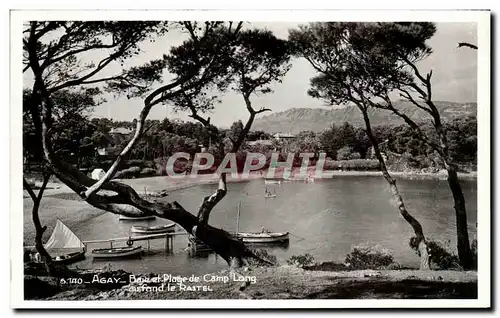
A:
x,y
272,181
153,230
259,238
136,218
120,252
69,258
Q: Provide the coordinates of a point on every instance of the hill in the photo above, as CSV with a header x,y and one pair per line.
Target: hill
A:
x,y
295,120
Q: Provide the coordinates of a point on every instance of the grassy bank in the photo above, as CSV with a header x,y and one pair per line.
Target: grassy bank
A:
x,y
287,282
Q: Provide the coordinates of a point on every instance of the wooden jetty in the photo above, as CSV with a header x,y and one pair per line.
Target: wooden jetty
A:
x,y
168,237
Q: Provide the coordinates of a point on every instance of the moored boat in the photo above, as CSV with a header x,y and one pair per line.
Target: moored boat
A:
x,y
64,246
270,195
272,181
153,229
262,237
116,252
136,218
69,257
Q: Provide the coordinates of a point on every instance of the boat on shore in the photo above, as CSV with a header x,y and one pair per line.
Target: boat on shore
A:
x,y
69,258
63,245
117,252
263,237
153,229
136,218
272,181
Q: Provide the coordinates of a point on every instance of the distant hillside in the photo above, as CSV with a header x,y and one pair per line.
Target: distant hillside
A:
x,y
295,120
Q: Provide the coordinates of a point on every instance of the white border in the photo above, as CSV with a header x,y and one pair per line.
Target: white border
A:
x,y
16,229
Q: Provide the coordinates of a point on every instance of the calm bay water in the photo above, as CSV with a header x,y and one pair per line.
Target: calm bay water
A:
x,y
324,218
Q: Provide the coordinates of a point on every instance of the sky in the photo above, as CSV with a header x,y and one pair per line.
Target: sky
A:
x,y
454,77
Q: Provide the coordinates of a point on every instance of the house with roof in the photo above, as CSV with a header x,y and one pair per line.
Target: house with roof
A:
x,y
284,136
120,131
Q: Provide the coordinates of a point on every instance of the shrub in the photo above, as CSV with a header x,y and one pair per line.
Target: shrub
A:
x,y
354,155
365,256
263,254
344,153
440,255
148,172
301,260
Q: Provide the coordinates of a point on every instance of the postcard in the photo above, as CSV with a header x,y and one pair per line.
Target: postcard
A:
x,y
250,159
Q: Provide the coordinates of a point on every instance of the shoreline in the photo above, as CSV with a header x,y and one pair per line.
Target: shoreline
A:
x,y
159,183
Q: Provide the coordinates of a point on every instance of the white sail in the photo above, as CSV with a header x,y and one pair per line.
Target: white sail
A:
x,y
63,237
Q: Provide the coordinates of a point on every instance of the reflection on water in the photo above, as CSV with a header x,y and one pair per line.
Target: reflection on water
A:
x,y
324,218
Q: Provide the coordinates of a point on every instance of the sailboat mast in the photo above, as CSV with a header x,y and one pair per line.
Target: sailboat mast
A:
x,y
238,218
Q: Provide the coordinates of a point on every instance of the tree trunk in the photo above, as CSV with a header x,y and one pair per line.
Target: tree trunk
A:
x,y
420,245
39,230
463,245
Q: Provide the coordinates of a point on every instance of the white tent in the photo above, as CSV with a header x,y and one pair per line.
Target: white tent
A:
x,y
98,174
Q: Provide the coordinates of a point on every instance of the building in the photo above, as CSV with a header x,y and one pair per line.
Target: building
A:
x,y
120,131
98,174
284,136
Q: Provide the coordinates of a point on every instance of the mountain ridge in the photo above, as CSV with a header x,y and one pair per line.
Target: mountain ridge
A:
x,y
294,120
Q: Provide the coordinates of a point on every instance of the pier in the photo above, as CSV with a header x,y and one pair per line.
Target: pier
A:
x,y
168,237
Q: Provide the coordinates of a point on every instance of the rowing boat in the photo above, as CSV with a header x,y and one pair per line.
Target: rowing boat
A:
x,y
153,229
117,252
262,237
136,218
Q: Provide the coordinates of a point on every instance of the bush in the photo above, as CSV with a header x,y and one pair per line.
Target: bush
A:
x,y
344,153
347,153
365,256
354,156
301,260
262,253
440,256
146,172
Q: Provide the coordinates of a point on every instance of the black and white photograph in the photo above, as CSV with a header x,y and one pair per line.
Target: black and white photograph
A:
x,y
327,161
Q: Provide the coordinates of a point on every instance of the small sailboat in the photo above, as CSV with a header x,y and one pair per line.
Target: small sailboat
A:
x,y
157,229
117,252
262,237
66,247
